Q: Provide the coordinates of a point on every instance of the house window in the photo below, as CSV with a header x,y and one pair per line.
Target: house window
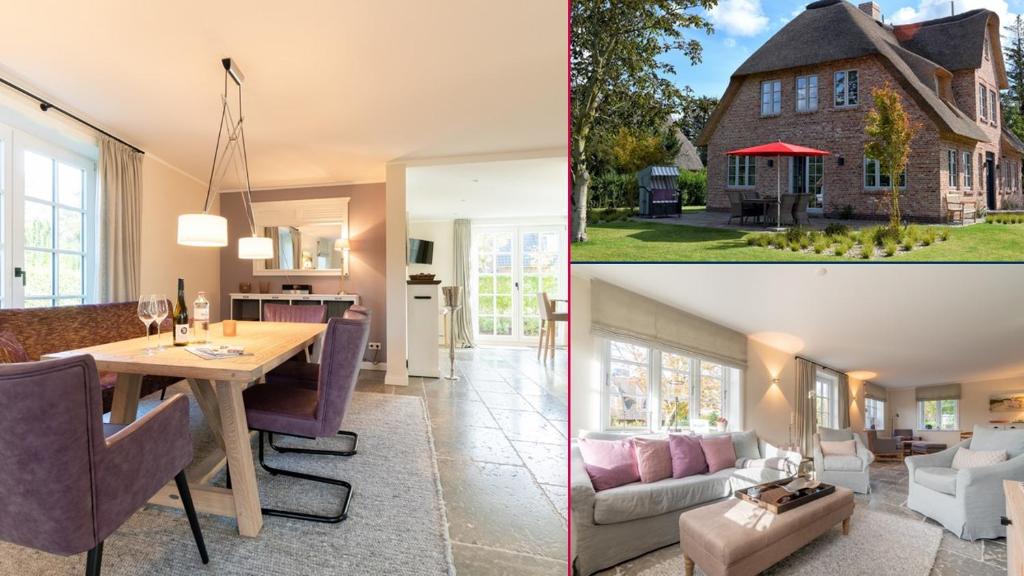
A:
x,y
968,170
771,98
648,388
938,414
741,171
951,167
874,414
825,400
994,108
988,49
875,179
983,102
806,93
847,88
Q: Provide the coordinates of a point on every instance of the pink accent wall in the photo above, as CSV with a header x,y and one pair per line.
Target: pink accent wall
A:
x,y
366,237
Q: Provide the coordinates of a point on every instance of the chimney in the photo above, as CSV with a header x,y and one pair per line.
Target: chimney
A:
x,y
871,9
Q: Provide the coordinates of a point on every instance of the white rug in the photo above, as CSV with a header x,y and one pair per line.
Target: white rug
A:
x,y
879,544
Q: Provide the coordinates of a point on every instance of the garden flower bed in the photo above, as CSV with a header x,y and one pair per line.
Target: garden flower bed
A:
x,y
839,241
1005,218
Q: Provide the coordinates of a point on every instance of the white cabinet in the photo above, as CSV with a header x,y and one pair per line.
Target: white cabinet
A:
x,y
423,306
245,306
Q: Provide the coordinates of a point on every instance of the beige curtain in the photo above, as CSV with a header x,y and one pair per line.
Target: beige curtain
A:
x,y
120,179
843,394
463,272
806,418
275,262
296,248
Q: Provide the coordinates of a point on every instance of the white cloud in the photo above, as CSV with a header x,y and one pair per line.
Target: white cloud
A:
x,y
739,17
729,43
928,9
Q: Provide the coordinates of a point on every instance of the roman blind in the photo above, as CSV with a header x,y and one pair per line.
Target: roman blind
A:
x,y
875,392
940,392
617,312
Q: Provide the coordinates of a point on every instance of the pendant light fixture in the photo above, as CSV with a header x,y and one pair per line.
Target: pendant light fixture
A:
x,y
207,229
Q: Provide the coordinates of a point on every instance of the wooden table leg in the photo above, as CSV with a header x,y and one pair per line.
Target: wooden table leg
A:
x,y
846,526
235,432
206,397
126,399
687,565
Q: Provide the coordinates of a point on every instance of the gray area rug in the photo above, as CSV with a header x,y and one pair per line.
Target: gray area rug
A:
x,y
396,522
879,544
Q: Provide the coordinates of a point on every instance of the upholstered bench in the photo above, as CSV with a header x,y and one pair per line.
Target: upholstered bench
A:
x,y
39,331
736,538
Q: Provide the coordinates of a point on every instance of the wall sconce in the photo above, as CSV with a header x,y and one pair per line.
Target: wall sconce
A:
x,y
841,160
776,381
342,245
771,162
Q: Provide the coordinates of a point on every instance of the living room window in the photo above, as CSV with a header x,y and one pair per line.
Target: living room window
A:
x,y
648,388
938,414
806,93
771,98
847,88
968,170
875,179
825,400
874,414
742,171
951,168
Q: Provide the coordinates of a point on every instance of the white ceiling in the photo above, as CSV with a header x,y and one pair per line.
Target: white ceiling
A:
x,y
913,325
333,89
505,189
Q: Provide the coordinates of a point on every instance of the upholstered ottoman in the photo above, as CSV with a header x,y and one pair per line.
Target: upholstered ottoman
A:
x,y
736,538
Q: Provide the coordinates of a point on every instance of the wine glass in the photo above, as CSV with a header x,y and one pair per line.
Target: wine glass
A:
x,y
161,313
147,314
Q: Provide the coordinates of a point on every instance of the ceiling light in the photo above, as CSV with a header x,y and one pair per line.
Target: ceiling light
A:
x,y
255,248
207,230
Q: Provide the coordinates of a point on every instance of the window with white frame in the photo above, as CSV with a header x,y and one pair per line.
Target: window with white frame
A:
x,y
647,388
825,407
876,179
874,414
741,171
847,88
968,170
951,168
982,102
994,107
771,97
938,414
806,93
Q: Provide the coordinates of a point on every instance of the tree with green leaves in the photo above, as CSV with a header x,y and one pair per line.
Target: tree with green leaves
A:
x,y
617,78
890,131
1013,99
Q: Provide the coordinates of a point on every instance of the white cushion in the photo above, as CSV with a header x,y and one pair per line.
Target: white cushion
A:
x,y
967,458
843,463
834,435
841,448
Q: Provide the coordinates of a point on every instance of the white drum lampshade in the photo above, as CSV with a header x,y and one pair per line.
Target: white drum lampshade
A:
x,y
255,248
202,230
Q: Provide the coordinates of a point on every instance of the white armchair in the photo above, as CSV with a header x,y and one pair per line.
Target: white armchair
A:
x,y
966,502
851,472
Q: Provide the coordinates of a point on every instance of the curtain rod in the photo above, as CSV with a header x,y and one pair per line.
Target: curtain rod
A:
x,y
819,364
46,106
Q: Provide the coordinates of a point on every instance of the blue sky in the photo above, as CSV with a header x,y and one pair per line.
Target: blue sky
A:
x,y
742,26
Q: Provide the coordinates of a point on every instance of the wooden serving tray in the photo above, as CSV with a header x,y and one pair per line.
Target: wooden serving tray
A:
x,y
777,499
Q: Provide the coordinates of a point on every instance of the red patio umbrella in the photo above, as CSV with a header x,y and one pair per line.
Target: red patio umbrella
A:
x,y
778,149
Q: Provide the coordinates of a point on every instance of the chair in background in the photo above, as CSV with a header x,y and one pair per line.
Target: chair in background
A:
x,y
742,210
298,372
784,212
316,412
548,325
885,448
69,480
852,472
312,314
800,209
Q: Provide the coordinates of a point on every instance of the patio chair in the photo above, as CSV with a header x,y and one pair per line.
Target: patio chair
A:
x,y
800,209
740,209
785,211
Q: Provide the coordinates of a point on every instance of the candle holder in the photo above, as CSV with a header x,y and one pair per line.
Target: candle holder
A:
x,y
452,302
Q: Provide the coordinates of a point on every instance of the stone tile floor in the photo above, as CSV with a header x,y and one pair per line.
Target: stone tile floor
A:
x,y
888,494
500,435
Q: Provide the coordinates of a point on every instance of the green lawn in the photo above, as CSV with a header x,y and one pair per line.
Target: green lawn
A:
x,y
653,242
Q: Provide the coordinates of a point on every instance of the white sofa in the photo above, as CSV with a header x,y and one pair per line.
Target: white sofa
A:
x,y
852,472
612,526
968,503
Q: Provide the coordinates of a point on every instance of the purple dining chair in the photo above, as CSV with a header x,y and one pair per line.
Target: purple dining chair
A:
x,y
315,412
69,480
299,373
290,313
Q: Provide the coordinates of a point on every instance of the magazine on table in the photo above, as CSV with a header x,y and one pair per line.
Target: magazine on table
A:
x,y
215,351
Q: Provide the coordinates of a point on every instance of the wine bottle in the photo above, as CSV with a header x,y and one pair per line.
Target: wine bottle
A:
x,y
181,326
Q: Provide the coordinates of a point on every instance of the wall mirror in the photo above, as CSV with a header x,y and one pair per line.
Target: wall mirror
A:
x,y
309,236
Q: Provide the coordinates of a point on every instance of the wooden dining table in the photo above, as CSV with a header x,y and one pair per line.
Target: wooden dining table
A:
x,y
217,386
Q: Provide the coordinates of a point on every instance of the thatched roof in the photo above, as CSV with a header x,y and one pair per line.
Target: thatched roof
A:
x,y
688,157
1010,139
831,30
955,42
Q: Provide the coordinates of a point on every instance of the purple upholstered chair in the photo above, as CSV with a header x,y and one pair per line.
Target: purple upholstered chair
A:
x,y
68,480
315,412
289,313
298,373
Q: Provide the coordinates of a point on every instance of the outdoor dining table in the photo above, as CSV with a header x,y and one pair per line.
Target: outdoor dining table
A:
x,y
764,204
217,386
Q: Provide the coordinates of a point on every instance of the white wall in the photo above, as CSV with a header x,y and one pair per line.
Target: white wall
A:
x,y
585,373
973,407
166,193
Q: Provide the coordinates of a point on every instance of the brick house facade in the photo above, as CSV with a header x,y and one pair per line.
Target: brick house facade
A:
x,y
798,88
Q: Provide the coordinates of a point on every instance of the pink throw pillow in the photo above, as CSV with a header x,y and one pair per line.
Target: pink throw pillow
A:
x,y
653,459
609,463
839,448
687,455
719,452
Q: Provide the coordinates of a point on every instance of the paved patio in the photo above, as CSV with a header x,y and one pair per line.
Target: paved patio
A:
x,y
707,219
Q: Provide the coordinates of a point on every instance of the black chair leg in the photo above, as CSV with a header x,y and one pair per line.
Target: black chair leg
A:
x,y
190,511
93,560
163,393
352,452
301,515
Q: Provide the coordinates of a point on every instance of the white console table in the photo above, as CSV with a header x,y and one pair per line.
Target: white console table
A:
x,y
250,306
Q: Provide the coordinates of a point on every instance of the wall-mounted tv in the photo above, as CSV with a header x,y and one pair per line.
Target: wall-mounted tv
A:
x,y
421,251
